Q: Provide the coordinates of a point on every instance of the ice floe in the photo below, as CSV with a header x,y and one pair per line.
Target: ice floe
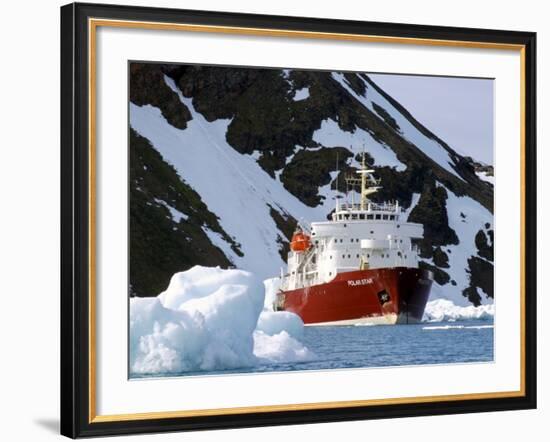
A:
x,y
442,310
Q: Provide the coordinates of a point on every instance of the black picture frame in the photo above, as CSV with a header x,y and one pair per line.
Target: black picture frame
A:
x,y
76,403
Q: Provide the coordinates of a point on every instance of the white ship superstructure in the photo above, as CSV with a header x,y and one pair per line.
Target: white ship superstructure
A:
x,y
360,236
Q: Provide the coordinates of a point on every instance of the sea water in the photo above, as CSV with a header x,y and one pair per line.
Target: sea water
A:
x,y
345,347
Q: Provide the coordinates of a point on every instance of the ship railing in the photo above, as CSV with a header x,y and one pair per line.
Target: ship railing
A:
x,y
384,207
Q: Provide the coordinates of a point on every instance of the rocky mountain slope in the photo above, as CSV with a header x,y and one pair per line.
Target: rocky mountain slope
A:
x,y
225,161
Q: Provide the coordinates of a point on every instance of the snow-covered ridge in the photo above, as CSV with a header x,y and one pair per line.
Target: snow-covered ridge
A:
x,y
428,146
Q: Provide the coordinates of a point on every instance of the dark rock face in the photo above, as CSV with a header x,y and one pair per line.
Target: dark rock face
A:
x,y
480,268
484,244
440,276
390,121
310,170
431,211
266,120
286,225
147,86
481,275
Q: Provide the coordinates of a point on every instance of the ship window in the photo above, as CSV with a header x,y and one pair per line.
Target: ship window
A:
x,y
346,216
377,216
341,240
312,233
369,216
385,217
343,256
356,239
351,240
330,256
399,254
362,216
368,255
372,232
358,255
349,256
398,226
345,225
329,273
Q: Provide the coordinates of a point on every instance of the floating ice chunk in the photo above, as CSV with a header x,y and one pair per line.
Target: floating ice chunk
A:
x,y
273,323
457,327
441,310
199,282
206,320
272,286
280,348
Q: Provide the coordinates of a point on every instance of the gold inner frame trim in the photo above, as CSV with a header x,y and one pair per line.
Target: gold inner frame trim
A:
x,y
93,24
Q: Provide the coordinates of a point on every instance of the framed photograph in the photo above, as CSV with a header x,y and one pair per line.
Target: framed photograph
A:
x,y
276,220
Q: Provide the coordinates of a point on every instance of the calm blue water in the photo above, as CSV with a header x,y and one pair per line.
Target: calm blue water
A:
x,y
382,346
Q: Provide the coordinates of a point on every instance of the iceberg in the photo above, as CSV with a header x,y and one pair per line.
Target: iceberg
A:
x,y
211,319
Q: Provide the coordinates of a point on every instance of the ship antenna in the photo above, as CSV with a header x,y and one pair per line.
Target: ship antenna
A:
x,y
337,176
363,180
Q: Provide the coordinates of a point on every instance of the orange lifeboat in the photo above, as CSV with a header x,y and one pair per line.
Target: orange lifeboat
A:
x,y
300,242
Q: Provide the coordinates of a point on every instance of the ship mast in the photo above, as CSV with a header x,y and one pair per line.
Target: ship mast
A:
x,y
366,179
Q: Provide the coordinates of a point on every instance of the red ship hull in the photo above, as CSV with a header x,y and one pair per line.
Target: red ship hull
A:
x,y
385,296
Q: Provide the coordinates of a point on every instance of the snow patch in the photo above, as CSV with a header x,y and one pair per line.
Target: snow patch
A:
x,y
176,215
414,201
301,94
219,241
207,319
485,177
330,135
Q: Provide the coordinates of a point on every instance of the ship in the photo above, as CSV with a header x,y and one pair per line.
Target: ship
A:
x,y
360,267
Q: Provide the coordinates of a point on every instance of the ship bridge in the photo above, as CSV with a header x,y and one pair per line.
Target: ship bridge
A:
x,y
367,211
